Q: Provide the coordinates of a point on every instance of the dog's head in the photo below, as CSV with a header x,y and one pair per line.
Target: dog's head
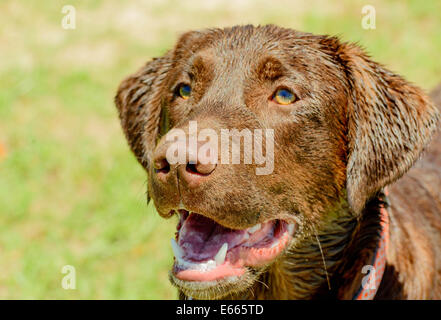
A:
x,y
310,124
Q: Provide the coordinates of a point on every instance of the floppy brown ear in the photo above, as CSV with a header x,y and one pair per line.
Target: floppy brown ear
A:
x,y
390,121
139,98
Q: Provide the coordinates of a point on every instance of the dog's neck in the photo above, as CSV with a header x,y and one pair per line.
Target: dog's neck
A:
x,y
328,264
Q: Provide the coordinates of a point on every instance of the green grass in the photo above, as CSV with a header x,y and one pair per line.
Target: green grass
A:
x,y
71,193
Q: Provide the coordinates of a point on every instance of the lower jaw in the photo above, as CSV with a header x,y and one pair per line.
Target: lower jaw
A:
x,y
228,287
230,281
223,271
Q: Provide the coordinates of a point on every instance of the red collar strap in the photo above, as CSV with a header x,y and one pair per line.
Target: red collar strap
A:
x,y
370,285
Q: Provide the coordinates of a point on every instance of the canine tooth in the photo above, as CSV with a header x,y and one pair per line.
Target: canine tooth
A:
x,y
291,228
255,228
176,249
275,244
220,255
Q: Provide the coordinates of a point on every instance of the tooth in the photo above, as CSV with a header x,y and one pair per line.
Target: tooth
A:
x,y
291,228
176,249
220,255
255,228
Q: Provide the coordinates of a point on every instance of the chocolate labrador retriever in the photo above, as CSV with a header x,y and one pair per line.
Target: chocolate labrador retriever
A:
x,y
328,128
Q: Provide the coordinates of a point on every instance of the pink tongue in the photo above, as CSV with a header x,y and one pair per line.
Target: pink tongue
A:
x,y
201,238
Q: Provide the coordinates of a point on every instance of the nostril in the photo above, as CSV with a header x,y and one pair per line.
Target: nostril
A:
x,y
200,169
191,168
162,166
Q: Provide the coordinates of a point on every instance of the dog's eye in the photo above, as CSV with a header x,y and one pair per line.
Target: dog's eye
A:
x,y
284,97
184,91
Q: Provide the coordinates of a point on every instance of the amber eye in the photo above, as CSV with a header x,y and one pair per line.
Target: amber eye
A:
x,y
284,97
184,91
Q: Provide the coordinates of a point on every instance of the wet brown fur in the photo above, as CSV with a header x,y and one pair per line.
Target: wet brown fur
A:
x,y
355,128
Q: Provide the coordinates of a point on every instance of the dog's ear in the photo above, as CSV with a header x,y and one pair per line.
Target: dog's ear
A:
x,y
140,97
138,101
390,121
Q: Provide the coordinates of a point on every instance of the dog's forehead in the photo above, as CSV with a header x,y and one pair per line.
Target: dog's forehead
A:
x,y
236,63
243,54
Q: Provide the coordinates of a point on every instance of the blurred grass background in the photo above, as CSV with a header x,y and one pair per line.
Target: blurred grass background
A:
x,y
71,193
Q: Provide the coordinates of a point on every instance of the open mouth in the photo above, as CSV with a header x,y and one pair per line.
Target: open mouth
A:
x,y
206,251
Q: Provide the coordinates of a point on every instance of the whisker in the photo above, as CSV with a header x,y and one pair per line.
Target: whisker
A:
x,y
323,259
266,286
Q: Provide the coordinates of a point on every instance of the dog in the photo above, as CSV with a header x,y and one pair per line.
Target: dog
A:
x,y
329,220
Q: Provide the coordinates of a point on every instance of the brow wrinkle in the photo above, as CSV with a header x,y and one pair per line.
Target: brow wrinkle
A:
x,y
270,69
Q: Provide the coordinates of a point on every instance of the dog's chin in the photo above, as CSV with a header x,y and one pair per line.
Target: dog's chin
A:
x,y
213,261
217,289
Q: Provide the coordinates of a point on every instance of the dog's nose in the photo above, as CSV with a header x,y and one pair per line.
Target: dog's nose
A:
x,y
193,169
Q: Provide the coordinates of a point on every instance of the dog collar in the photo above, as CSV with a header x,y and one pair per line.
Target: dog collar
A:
x,y
369,286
